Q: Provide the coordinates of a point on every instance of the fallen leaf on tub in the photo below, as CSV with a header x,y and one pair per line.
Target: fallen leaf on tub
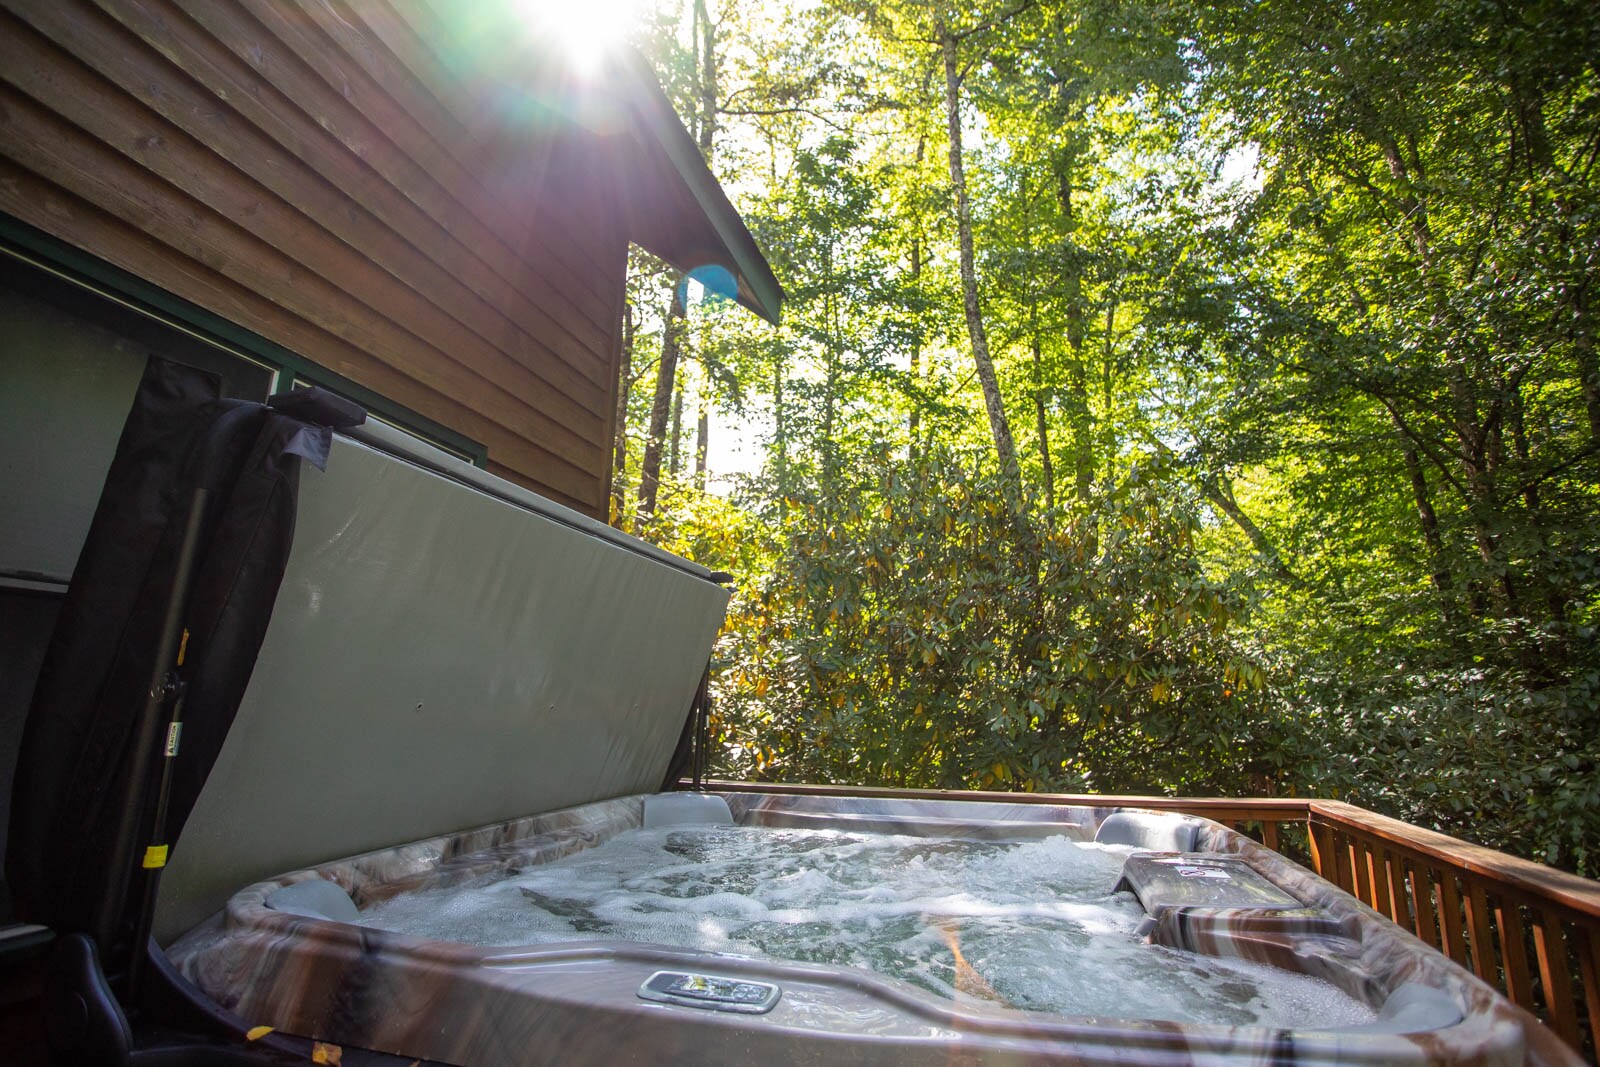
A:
x,y
322,1052
968,981
256,1033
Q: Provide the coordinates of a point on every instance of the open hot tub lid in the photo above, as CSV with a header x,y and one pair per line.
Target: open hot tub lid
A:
x,y
439,658
262,664
446,651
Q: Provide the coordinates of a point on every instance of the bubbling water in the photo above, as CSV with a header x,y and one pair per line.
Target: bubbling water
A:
x,y
1032,925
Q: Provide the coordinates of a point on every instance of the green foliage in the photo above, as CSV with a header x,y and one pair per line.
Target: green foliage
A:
x,y
907,633
1312,455
1475,753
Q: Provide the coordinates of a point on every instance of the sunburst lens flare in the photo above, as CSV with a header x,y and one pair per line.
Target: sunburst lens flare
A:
x,y
586,31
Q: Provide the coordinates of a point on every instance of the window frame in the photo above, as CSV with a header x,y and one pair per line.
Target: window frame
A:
x,y
32,247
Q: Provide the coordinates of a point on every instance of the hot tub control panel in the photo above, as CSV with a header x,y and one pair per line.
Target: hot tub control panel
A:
x,y
710,991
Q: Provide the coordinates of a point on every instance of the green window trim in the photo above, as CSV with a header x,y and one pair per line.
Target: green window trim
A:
x,y
32,246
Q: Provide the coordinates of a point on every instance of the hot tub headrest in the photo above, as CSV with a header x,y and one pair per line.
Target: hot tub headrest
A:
x,y
1153,830
315,898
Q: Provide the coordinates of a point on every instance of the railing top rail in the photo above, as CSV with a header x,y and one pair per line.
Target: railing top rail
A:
x,y
1581,895
1272,809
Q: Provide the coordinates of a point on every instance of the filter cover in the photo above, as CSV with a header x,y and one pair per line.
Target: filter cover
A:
x,y
1199,880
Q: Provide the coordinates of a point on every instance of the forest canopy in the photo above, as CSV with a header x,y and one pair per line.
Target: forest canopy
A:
x,y
1176,398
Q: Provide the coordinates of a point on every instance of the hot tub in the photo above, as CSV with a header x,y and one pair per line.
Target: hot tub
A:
x,y
305,953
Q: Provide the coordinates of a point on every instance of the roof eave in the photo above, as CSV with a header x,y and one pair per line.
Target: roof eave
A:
x,y
758,286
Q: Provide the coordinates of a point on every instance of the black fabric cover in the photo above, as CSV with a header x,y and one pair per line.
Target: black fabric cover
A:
x,y
682,763
72,774
691,742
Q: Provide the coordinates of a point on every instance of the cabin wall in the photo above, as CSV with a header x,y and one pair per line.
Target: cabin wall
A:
x,y
315,174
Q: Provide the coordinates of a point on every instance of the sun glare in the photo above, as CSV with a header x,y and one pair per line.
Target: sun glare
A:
x,y
587,31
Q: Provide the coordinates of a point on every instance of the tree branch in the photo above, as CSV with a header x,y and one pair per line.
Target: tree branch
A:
x,y
766,112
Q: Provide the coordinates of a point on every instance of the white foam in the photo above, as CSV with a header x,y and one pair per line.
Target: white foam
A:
x,y
1036,921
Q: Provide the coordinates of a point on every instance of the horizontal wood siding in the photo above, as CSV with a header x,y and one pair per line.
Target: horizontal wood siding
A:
x,y
315,174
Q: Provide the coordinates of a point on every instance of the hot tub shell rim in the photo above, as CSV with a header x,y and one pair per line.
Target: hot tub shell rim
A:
x,y
247,914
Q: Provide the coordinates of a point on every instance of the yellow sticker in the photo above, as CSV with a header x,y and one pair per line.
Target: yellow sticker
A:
x,y
155,856
256,1033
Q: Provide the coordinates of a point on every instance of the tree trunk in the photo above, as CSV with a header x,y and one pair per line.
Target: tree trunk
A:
x,y
1108,353
1222,496
1588,363
916,333
1428,519
1041,420
1005,448
701,437
666,375
619,466
675,454
916,352
831,367
1044,426
1218,492
1472,435
1472,440
707,45
780,440
1083,460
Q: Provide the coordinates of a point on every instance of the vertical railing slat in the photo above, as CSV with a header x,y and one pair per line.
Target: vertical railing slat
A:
x,y
1360,864
1378,880
1343,872
1344,862
1555,976
1322,852
1269,833
1382,888
1396,865
1395,885
1587,946
1450,911
1513,951
1418,878
1484,964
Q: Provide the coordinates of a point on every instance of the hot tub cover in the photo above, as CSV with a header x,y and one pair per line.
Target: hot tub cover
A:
x,y
445,652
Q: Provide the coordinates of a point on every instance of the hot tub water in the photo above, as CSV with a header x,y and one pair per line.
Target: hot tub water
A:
x,y
1032,925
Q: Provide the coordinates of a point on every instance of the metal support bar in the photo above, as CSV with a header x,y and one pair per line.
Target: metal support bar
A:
x,y
155,854
147,729
702,729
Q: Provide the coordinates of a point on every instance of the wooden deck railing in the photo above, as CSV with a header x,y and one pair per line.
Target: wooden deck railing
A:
x,y
1530,931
